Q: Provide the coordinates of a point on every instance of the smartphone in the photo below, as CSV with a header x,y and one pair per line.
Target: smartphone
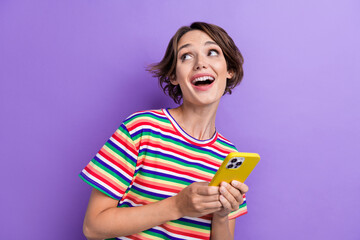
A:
x,y
236,166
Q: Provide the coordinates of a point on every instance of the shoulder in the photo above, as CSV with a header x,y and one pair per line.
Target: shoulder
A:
x,y
145,117
225,143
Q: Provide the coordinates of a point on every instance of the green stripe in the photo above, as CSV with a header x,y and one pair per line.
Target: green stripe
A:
x,y
191,224
102,167
147,115
226,145
242,205
126,132
120,154
154,234
142,194
96,187
156,177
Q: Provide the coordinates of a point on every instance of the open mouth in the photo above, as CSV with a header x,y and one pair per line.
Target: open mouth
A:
x,y
203,81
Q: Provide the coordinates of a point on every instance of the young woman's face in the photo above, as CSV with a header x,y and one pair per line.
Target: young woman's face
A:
x,y
201,69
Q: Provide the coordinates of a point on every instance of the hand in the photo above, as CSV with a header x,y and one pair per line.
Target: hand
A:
x,y
231,197
198,199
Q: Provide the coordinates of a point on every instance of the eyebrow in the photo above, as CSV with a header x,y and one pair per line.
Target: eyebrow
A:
x,y
188,44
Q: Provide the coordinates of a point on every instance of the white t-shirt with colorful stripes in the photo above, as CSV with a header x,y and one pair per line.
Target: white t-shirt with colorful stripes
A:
x,y
150,158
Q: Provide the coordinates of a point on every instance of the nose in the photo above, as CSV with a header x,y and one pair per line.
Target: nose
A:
x,y
200,63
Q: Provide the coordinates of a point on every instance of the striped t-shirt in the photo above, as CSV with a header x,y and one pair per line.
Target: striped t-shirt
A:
x,y
150,158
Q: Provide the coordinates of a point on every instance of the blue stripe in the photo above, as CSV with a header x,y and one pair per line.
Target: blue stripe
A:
x,y
150,193
226,143
125,204
166,175
193,222
135,115
112,169
163,234
99,187
128,156
124,128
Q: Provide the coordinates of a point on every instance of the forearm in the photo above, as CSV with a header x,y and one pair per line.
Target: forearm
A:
x,y
115,222
222,228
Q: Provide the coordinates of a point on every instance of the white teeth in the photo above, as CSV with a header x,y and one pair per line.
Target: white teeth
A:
x,y
203,79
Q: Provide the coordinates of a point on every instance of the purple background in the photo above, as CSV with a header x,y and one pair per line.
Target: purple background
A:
x,y
71,71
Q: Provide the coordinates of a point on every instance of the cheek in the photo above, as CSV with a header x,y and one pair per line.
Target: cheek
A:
x,y
182,73
179,71
224,85
221,67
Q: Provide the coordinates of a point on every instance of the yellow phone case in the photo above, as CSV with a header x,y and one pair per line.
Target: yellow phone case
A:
x,y
236,166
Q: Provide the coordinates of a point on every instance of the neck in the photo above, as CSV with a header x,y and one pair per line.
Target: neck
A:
x,y
197,121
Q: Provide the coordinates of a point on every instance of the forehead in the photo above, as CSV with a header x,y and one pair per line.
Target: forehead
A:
x,y
194,37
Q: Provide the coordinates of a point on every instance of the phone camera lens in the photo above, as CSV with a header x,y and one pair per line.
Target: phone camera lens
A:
x,y
238,164
233,160
230,166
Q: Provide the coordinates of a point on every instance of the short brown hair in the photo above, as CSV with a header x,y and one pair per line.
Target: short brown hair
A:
x,y
166,68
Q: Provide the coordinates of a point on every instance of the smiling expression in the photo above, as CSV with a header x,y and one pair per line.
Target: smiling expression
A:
x,y
201,69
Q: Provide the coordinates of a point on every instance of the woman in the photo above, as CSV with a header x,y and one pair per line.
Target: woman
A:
x,y
151,178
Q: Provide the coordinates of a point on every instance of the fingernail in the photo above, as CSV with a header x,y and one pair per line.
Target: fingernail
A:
x,y
222,189
224,184
235,183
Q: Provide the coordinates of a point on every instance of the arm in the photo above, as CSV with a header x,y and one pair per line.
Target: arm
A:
x,y
222,228
231,198
104,220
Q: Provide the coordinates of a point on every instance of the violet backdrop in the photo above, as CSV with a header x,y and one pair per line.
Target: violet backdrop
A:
x,y
71,71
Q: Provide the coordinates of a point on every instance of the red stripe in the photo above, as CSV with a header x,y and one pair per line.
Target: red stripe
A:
x,y
126,143
236,216
94,174
221,149
143,122
115,161
226,149
135,200
183,232
134,237
224,139
144,183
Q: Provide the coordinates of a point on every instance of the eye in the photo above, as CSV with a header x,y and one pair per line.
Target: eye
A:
x,y
185,56
213,52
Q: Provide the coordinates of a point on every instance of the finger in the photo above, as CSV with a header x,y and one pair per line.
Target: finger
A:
x,y
225,203
212,205
233,191
207,190
209,198
207,208
213,210
241,186
229,197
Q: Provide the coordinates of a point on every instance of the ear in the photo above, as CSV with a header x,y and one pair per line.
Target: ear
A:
x,y
230,74
173,80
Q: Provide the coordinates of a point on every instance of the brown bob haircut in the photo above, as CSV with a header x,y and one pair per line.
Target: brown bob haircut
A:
x,y
166,68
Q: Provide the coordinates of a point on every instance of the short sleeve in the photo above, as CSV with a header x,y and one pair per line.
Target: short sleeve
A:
x,y
241,211
112,169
